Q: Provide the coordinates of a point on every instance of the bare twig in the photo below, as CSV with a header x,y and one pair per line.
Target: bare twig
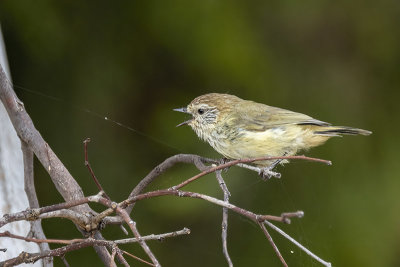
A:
x,y
29,184
25,257
32,214
325,263
285,217
271,241
179,193
224,224
159,237
223,186
122,259
87,164
137,258
64,260
113,253
40,241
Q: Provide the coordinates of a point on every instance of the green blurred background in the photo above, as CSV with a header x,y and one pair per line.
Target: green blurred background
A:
x,y
134,61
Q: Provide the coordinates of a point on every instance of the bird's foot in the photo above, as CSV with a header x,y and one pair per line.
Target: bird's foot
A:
x,y
267,173
223,161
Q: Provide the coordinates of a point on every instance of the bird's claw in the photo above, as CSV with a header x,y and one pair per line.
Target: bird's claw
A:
x,y
267,173
223,161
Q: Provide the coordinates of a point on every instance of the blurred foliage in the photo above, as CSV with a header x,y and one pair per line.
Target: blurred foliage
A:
x,y
74,62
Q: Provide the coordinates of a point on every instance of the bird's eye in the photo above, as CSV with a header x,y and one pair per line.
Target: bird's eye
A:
x,y
200,111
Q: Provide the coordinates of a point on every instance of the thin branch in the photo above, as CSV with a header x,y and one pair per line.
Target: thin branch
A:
x,y
264,173
224,224
137,258
325,263
41,241
29,184
113,253
64,260
223,186
159,237
271,241
87,164
32,214
25,257
122,259
179,193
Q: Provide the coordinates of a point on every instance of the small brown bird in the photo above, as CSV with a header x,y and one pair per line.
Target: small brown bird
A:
x,y
238,128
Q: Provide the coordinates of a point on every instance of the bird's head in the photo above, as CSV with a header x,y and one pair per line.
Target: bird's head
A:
x,y
207,112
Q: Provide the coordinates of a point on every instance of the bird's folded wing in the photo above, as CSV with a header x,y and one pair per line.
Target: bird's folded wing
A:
x,y
260,117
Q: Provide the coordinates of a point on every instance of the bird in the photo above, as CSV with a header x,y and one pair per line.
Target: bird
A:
x,y
239,129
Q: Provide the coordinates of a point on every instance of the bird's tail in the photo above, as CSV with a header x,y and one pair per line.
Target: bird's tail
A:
x,y
340,130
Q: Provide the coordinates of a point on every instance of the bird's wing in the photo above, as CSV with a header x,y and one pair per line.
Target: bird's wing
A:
x,y
259,117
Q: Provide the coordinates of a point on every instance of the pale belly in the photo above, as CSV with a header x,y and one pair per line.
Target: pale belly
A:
x,y
272,142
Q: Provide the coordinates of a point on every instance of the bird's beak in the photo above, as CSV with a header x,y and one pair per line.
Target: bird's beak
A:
x,y
184,110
